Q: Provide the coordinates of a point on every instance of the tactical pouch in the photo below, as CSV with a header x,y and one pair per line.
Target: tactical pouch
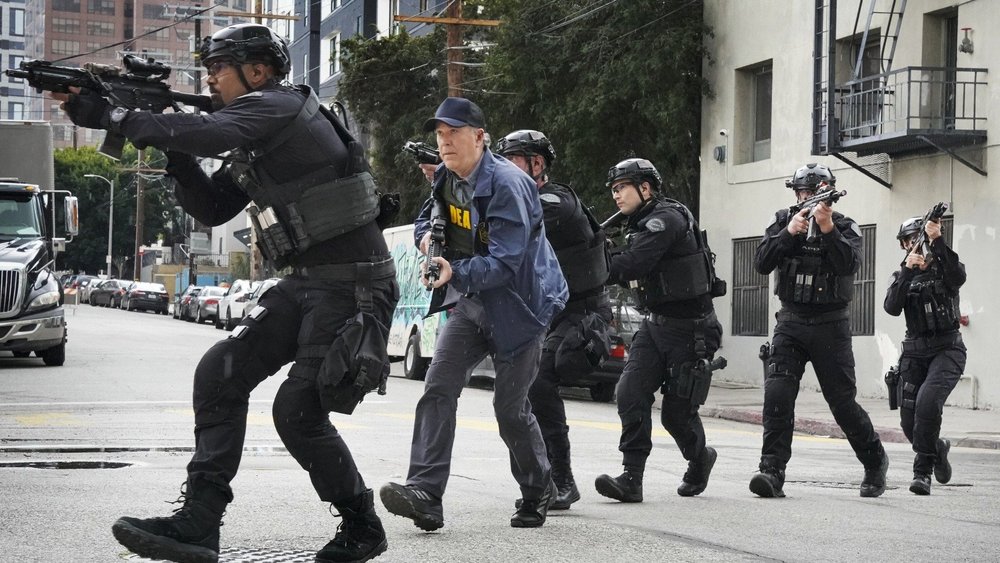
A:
x,y
585,345
690,380
355,365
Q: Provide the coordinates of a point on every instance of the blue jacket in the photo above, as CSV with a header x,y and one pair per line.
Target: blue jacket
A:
x,y
515,273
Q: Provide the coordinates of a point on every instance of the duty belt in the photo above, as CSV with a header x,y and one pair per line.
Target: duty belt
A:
x,y
592,303
822,318
929,342
663,320
349,272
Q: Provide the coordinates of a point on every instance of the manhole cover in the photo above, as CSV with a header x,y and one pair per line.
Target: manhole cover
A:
x,y
246,555
66,464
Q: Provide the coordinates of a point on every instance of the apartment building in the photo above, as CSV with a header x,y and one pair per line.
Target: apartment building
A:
x,y
14,93
899,99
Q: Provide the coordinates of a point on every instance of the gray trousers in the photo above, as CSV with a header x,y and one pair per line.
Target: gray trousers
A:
x,y
463,343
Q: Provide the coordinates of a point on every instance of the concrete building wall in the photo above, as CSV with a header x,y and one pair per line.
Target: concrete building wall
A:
x,y
740,195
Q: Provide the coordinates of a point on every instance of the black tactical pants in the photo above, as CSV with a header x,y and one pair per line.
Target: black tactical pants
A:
x,y
929,369
827,345
546,403
301,321
655,348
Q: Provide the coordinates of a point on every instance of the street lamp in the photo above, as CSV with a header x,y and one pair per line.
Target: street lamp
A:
x,y
111,213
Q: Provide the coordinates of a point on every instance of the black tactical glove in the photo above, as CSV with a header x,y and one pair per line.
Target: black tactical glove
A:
x,y
89,110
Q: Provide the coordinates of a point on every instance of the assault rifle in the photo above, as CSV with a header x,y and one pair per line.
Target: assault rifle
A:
x,y
934,215
828,196
436,246
422,152
140,85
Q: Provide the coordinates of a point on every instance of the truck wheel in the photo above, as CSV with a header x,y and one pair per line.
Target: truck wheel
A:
x,y
603,392
414,365
55,356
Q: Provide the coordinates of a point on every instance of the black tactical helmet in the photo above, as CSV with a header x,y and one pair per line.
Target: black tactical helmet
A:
x,y
248,43
810,176
527,142
637,170
910,227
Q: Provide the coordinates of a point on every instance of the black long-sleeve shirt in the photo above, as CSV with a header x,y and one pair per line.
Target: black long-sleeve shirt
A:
x,y
946,266
840,250
250,122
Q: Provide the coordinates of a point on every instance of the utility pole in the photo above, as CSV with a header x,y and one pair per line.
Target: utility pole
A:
x,y
453,19
140,187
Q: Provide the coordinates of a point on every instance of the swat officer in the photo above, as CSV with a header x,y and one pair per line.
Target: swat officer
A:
x,y
814,284
925,290
669,264
298,166
580,248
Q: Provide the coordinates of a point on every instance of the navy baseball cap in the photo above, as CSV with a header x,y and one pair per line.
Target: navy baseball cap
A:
x,y
457,112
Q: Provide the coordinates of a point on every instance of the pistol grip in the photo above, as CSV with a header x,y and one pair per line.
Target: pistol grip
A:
x,y
113,145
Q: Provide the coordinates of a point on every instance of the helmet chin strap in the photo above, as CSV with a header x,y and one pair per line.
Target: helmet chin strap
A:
x,y
530,160
642,200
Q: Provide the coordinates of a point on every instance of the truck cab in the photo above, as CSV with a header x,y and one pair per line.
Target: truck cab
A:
x,y
31,312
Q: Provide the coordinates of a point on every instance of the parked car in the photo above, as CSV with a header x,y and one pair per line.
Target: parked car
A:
x,y
254,296
231,306
207,306
145,296
84,285
108,294
185,301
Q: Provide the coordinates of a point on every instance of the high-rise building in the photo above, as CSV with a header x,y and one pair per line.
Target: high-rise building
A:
x,y
13,91
74,32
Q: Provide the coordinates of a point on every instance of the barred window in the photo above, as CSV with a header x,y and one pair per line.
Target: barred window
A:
x,y
749,291
863,304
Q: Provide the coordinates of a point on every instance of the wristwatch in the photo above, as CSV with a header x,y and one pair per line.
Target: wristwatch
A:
x,y
117,116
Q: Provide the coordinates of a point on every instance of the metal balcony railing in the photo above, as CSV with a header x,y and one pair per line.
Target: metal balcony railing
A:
x,y
889,111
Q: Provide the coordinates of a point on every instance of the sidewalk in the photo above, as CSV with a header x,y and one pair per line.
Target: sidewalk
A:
x,y
739,402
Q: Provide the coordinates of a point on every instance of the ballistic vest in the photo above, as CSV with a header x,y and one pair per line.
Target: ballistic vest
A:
x,y
458,228
808,278
579,243
677,277
931,307
291,216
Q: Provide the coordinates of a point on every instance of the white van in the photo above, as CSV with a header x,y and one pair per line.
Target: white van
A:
x,y
411,336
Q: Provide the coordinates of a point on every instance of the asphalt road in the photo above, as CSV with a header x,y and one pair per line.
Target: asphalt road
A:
x,y
123,397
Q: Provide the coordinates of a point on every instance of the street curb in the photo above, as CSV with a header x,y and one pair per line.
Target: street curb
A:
x,y
828,428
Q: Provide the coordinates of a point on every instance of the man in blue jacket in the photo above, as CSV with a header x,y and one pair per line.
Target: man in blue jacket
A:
x,y
511,286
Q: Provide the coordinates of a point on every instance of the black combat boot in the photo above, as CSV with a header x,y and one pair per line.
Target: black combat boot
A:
x,y
562,474
767,483
873,484
942,468
921,484
696,478
627,487
360,536
191,535
532,512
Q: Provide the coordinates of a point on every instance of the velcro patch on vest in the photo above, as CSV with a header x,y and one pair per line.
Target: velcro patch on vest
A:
x,y
656,225
855,228
550,198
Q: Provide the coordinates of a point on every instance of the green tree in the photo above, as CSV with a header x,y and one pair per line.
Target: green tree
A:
x,y
392,85
88,250
624,81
